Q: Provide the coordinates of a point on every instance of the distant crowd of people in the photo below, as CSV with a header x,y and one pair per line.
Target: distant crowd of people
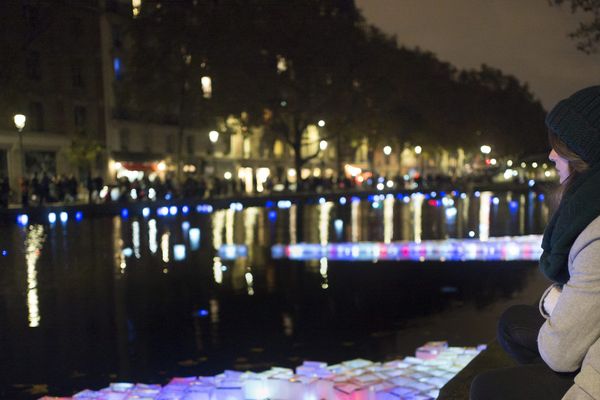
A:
x,y
43,188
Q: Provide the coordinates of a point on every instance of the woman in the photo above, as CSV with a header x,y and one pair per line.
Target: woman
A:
x,y
558,346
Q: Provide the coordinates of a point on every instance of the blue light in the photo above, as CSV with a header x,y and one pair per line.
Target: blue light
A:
x,y
406,199
146,212
127,252
124,213
236,206
64,217
204,208
78,216
513,205
117,67
272,215
442,194
194,238
22,219
355,199
371,198
284,204
477,194
52,217
342,200
179,252
185,225
375,204
173,210
4,253
496,201
338,225
185,209
322,200
268,204
433,194
168,196
541,197
162,211
202,313
454,193
531,183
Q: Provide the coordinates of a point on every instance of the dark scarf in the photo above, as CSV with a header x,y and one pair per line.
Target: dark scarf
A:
x,y
579,206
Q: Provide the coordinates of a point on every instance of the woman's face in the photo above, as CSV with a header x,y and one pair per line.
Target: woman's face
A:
x,y
561,164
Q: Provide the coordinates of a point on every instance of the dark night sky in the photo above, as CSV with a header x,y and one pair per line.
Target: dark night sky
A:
x,y
525,38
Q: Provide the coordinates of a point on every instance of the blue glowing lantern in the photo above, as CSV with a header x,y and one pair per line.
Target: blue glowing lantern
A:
x,y
146,212
194,234
22,219
185,210
272,215
51,217
342,200
78,216
173,210
124,213
64,217
268,204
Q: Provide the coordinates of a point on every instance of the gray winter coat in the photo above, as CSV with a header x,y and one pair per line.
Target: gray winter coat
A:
x,y
569,340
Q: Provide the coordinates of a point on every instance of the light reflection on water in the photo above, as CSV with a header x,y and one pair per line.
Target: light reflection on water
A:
x,y
147,299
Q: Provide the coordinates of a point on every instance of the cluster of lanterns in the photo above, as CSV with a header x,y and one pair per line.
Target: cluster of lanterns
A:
x,y
417,378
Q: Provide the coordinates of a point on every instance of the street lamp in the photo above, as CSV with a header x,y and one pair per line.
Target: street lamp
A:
x,y
323,145
321,123
485,149
387,150
19,120
213,136
418,149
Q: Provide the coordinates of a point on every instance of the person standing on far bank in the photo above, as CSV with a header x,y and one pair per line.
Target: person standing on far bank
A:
x,y
558,343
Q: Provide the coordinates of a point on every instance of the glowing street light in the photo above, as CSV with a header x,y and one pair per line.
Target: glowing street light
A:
x,y
418,149
206,83
19,120
387,150
321,123
323,145
485,149
213,136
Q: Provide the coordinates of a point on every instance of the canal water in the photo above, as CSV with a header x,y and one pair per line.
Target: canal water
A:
x,y
146,297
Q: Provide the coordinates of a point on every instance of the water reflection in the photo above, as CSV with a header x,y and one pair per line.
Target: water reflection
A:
x,y
252,300
33,248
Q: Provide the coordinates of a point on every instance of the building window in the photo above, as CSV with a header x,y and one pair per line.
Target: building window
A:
x,y
32,15
170,143
76,27
32,65
190,145
117,37
36,110
124,137
77,74
79,114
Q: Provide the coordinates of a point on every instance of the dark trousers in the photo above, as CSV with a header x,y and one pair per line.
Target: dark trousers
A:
x,y
532,379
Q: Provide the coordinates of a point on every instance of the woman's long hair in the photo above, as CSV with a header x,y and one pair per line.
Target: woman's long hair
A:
x,y
576,165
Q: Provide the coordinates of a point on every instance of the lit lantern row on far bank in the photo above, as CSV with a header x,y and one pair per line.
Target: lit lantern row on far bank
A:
x,y
416,378
527,248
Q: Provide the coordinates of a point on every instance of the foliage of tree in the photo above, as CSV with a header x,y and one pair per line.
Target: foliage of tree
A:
x,y
587,34
287,65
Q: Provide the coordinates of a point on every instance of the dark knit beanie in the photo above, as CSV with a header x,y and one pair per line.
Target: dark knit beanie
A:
x,y
576,121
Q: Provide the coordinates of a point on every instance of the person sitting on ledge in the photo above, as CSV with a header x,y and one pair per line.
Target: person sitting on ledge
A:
x,y
558,345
